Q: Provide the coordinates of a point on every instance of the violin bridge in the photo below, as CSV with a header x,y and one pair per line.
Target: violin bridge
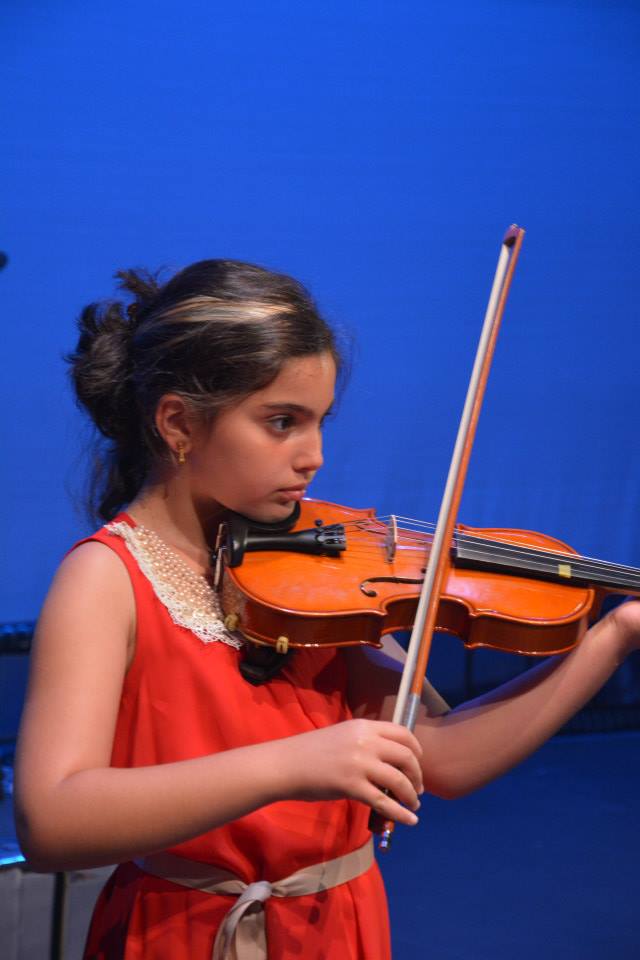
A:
x,y
564,570
391,539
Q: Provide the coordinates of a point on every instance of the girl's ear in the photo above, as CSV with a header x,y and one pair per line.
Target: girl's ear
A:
x,y
174,423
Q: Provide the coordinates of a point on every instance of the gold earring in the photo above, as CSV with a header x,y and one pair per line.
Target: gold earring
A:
x,y
181,457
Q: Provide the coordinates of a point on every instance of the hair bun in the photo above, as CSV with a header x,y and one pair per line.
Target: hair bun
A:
x,y
101,367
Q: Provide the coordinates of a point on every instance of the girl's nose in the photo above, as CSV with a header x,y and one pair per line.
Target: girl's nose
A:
x,y
309,458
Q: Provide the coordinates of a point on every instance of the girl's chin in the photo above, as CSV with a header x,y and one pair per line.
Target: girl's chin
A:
x,y
275,513
268,513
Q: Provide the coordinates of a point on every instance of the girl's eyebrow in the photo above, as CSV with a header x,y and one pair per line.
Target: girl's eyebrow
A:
x,y
285,405
295,408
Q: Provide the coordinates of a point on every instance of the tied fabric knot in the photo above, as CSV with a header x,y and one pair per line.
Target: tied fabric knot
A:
x,y
242,934
233,941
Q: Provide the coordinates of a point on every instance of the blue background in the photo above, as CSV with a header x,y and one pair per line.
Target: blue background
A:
x,y
377,151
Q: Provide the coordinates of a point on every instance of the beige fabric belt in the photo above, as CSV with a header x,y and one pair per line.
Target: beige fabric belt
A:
x,y
242,935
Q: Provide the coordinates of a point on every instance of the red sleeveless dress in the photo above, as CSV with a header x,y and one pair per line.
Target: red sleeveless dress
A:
x,y
183,698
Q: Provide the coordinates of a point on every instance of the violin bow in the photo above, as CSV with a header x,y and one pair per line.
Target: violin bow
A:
x,y
439,563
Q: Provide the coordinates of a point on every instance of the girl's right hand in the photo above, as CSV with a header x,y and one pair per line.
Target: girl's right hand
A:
x,y
358,759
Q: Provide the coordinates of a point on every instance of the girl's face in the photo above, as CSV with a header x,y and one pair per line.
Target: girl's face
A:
x,y
259,456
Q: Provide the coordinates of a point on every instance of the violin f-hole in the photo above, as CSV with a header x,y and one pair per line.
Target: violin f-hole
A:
x,y
368,592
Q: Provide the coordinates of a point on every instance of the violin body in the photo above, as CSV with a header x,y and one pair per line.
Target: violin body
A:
x,y
295,600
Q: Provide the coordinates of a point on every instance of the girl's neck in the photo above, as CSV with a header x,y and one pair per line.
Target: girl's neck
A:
x,y
177,520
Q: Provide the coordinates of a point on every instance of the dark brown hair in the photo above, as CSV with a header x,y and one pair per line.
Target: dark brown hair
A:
x,y
214,333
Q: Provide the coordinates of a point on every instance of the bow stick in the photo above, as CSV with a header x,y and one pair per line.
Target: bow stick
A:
x,y
415,668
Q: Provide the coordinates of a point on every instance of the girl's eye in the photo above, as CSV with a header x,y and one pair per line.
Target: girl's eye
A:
x,y
281,424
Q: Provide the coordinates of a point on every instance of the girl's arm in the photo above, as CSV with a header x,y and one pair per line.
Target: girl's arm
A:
x,y
465,748
74,810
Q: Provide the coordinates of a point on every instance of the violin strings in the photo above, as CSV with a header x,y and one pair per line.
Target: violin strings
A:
x,y
379,526
522,549
465,537
537,558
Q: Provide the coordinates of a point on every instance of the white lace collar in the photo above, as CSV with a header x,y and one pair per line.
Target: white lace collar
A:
x,y
190,599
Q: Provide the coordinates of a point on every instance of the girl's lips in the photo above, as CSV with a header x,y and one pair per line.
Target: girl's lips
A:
x,y
295,493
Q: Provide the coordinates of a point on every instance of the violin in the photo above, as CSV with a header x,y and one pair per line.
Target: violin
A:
x,y
341,576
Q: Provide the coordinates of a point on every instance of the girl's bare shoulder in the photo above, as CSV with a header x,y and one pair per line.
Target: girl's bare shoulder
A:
x,y
93,559
92,566
91,586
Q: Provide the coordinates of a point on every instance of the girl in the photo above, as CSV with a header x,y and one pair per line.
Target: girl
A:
x,y
141,741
